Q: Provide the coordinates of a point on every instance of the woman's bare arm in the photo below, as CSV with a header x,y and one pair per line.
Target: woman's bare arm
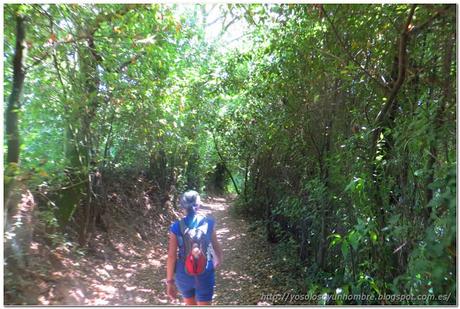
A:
x,y
217,249
172,256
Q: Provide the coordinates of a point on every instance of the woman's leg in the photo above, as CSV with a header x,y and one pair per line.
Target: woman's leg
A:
x,y
205,289
187,290
190,301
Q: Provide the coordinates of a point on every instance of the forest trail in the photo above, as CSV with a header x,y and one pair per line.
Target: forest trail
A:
x,y
137,276
245,273
337,123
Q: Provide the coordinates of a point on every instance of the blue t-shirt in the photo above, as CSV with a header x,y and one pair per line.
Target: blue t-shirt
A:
x,y
192,220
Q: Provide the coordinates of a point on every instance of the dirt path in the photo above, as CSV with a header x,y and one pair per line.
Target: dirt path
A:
x,y
245,273
238,281
135,275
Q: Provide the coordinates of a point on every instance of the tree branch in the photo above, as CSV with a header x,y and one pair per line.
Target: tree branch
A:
x,y
348,53
417,29
402,65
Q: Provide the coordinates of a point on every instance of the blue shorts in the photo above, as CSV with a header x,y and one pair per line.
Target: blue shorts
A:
x,y
201,286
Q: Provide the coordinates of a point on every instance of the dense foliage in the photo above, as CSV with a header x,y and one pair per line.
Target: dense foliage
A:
x,y
336,127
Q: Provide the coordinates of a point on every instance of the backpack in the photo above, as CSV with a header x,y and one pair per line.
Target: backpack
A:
x,y
197,247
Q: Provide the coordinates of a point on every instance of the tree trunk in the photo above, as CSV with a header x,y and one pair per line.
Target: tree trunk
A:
x,y
88,62
439,119
246,176
221,157
14,102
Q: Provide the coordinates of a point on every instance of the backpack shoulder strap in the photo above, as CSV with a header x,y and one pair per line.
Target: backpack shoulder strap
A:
x,y
184,230
182,226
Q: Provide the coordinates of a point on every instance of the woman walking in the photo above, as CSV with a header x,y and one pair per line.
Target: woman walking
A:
x,y
193,254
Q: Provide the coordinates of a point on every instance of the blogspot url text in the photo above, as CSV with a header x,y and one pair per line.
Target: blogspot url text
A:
x,y
288,297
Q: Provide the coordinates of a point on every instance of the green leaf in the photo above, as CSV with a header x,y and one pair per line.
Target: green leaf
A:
x,y
419,172
353,238
373,236
336,239
375,287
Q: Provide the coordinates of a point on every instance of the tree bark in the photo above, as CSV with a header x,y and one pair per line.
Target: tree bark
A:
x,y
391,98
14,102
